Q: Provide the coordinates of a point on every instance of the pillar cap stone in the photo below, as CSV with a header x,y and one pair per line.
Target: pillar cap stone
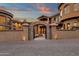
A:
x,y
53,24
25,24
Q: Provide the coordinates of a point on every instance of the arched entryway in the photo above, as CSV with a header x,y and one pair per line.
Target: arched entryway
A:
x,y
39,32
39,29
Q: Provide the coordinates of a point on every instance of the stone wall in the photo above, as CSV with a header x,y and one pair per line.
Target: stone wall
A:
x,y
56,34
20,35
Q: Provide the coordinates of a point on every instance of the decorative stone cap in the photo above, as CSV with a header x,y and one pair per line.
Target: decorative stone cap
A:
x,y
25,24
53,24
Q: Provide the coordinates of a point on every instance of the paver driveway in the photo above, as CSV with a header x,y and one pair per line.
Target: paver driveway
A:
x,y
41,48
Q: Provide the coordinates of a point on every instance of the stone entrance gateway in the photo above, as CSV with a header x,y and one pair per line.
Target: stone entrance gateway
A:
x,y
40,28
39,31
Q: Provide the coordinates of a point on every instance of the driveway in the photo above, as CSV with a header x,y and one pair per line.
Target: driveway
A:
x,y
64,47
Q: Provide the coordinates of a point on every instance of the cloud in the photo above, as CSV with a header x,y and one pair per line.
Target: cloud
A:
x,y
43,8
18,12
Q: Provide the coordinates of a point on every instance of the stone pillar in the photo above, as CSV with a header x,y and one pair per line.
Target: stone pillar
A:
x,y
54,34
48,32
25,33
51,32
31,32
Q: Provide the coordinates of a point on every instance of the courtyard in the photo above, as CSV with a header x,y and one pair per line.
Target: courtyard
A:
x,y
64,47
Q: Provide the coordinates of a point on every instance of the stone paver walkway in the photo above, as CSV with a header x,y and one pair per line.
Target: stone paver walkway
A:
x,y
65,47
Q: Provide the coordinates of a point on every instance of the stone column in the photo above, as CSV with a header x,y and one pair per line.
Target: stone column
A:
x,y
48,32
25,33
31,32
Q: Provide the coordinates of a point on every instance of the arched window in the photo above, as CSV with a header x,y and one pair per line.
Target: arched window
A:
x,y
68,26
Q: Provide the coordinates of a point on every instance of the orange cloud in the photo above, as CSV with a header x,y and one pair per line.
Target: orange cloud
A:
x,y
43,8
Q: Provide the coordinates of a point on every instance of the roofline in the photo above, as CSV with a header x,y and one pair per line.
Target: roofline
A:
x,y
69,18
7,13
41,16
60,5
17,21
55,15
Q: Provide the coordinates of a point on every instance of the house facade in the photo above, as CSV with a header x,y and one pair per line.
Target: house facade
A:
x,y
5,18
69,15
68,25
12,29
16,25
63,25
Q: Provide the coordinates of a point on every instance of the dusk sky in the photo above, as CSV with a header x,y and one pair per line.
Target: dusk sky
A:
x,y
30,10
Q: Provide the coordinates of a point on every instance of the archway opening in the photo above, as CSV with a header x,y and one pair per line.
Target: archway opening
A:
x,y
39,32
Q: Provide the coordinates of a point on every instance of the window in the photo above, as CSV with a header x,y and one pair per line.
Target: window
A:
x,y
2,20
76,7
3,23
68,26
75,24
8,21
2,28
54,19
